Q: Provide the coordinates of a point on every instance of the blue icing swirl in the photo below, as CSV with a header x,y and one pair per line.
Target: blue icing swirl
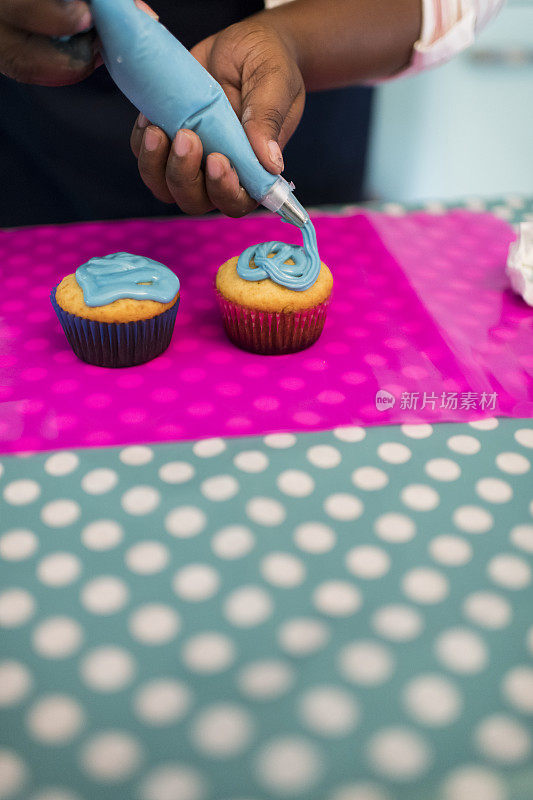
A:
x,y
298,276
123,275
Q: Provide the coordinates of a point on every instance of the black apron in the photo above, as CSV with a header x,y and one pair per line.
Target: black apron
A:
x,y
65,156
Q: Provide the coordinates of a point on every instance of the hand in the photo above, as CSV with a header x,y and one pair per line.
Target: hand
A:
x,y
258,72
33,43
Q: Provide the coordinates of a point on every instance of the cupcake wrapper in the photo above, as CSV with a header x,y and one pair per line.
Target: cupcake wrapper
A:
x,y
117,344
269,332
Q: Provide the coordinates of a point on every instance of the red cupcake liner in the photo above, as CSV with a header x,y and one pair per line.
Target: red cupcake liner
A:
x,y
272,332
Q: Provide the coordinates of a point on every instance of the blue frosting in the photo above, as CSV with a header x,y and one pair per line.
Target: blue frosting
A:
x,y
123,275
298,276
172,89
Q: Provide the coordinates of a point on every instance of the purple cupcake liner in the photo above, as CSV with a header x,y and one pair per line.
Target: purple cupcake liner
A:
x,y
117,344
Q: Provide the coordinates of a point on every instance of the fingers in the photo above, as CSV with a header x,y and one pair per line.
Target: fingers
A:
x,y
152,160
47,17
184,174
223,187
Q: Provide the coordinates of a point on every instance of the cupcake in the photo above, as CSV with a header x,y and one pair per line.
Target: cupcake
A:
x,y
274,297
119,310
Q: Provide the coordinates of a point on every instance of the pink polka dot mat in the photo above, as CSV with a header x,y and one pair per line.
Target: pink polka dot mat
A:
x,y
422,327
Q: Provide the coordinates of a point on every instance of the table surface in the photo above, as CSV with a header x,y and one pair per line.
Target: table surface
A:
x,y
343,615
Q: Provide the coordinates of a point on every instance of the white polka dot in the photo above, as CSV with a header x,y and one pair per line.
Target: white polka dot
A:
x,y
265,680
513,463
154,624
13,774
295,483
462,651
328,711
282,569
494,490
488,424
18,544
265,511
488,610
173,782
55,719
420,497
60,513
473,519
509,571
473,783
359,791
280,441
397,623
425,585
517,688
452,551
247,606
111,757
15,683
443,469
162,702
369,478
314,537
219,488
107,669
136,455
99,481
57,637
302,636
464,444
337,598
399,754
417,431
59,569
367,561
176,472
366,662
503,739
17,606
432,700
21,492
62,463
349,433
208,653
393,527
222,731
55,793
324,456
288,765
394,452
343,507
103,534
207,448
252,461
140,500
104,595
234,541
147,558
185,521
522,536
196,582
524,436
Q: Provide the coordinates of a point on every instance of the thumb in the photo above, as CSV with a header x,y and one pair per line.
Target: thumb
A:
x,y
272,104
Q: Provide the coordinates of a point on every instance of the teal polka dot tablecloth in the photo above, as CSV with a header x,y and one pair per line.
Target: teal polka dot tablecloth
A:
x,y
343,615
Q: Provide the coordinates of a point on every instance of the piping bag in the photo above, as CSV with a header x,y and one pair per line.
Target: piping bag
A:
x,y
172,89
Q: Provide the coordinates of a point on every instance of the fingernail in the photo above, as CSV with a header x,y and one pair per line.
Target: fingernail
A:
x,y
182,144
151,140
142,121
275,153
85,23
214,168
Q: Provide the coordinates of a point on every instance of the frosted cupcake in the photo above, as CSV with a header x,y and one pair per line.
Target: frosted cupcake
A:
x,y
119,310
274,297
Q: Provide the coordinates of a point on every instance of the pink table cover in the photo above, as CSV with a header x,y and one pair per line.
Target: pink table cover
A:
x,y
422,327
